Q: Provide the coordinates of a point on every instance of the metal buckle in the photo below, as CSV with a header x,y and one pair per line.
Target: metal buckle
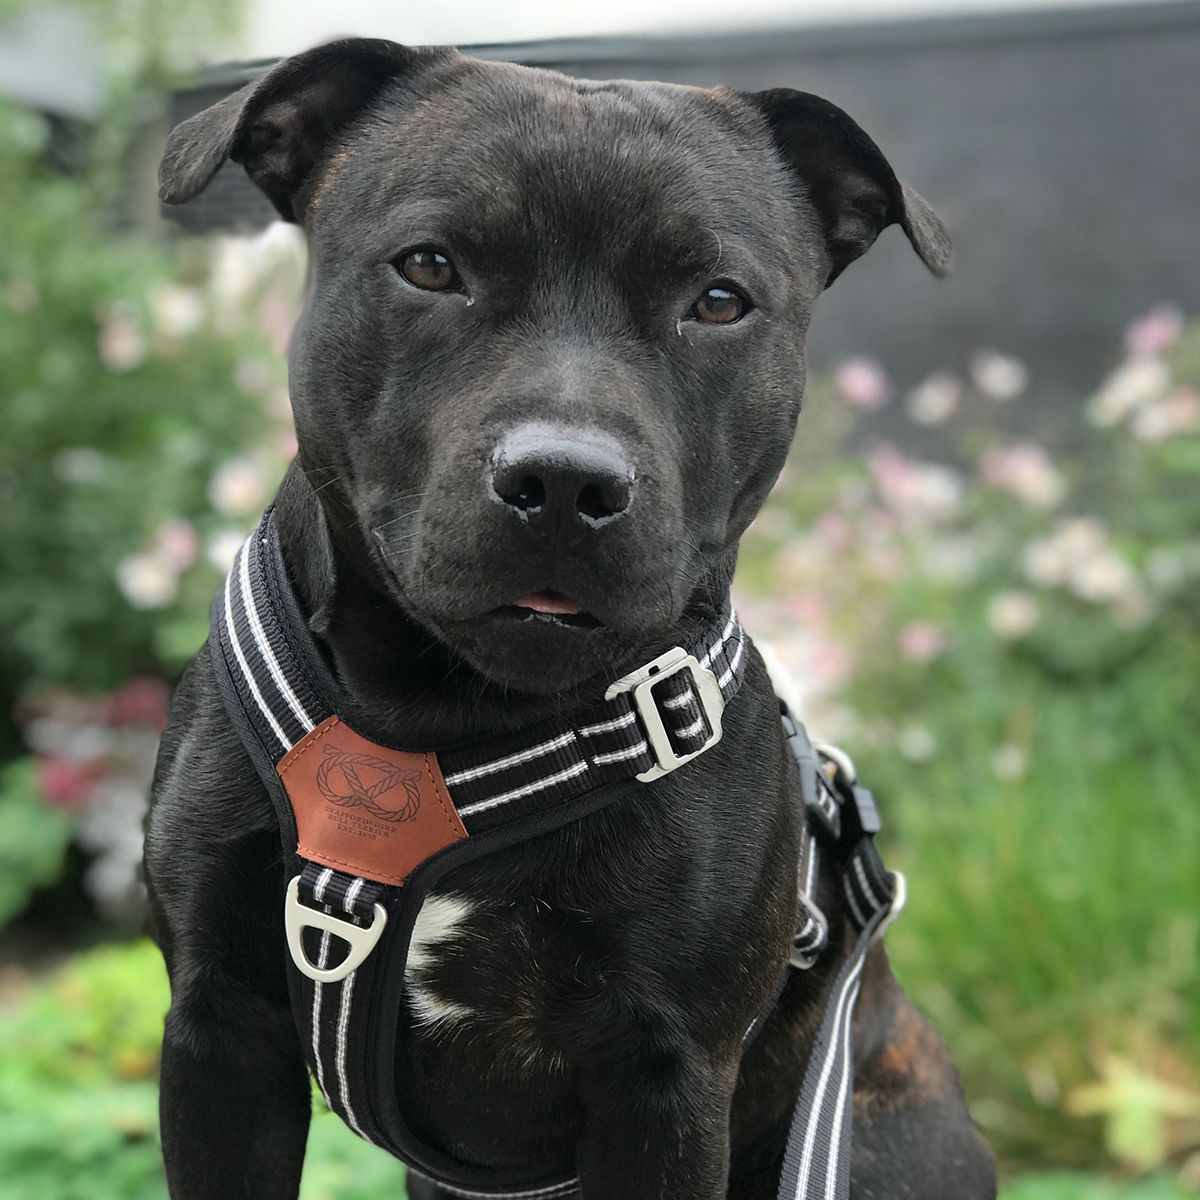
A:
x,y
297,917
899,900
644,679
803,959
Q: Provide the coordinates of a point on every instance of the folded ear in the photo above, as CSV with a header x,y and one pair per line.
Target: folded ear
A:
x,y
283,125
855,191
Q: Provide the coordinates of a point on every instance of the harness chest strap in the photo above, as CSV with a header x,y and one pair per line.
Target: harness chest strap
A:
x,y
361,819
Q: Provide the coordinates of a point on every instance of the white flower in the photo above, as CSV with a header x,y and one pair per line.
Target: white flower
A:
x,y
916,743
223,548
121,345
1178,413
1049,561
1136,382
999,376
863,383
237,488
177,311
1025,470
240,263
1009,762
1012,614
146,581
918,491
933,401
1102,577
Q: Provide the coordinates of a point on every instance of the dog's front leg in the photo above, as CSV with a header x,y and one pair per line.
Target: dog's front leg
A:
x,y
235,1102
657,1127
235,1094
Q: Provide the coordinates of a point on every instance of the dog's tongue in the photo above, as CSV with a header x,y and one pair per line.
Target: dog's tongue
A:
x,y
549,602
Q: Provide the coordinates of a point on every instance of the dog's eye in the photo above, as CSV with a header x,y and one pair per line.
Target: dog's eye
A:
x,y
429,269
720,306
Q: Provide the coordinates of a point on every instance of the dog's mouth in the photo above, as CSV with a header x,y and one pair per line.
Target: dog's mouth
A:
x,y
546,607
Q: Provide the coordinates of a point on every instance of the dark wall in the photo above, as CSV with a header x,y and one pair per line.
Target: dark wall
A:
x,y
1061,148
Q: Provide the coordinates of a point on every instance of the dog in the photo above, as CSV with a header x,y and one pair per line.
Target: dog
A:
x,y
549,367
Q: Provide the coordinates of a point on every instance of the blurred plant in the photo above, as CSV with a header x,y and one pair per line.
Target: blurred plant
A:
x,y
1011,646
146,422
78,1104
78,1058
33,838
95,760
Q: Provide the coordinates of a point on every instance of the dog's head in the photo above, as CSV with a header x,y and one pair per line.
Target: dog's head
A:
x,y
553,352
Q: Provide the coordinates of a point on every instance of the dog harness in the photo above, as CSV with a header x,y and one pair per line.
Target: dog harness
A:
x,y
368,830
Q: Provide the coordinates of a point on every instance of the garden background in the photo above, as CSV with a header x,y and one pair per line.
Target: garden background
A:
x,y
1005,635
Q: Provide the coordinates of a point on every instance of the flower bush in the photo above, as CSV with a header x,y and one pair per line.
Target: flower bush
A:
x,y
1008,643
146,422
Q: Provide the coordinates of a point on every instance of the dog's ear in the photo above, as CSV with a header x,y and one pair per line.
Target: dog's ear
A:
x,y
846,177
284,124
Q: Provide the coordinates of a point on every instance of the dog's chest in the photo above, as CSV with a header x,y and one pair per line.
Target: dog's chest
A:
x,y
494,1012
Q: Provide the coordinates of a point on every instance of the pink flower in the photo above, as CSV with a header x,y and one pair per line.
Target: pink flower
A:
x,y
918,491
65,782
921,641
834,532
176,543
142,701
862,383
933,401
1025,470
1154,332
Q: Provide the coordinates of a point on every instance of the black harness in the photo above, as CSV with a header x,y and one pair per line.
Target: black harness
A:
x,y
349,1001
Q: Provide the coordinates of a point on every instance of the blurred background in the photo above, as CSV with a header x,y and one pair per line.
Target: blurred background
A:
x,y
982,561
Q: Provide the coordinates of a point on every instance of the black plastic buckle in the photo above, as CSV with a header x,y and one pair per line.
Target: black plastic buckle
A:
x,y
820,800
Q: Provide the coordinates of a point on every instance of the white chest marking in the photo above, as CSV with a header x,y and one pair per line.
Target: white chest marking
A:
x,y
436,924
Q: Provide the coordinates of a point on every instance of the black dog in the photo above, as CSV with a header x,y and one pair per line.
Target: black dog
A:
x,y
549,368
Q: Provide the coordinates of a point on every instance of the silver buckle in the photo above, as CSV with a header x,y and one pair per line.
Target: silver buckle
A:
x,y
644,679
297,917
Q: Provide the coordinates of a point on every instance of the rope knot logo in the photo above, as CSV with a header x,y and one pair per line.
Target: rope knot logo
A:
x,y
385,790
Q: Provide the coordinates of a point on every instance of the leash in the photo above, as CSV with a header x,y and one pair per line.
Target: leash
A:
x,y
358,819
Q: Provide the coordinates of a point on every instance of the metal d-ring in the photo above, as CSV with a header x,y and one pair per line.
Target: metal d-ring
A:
x,y
297,917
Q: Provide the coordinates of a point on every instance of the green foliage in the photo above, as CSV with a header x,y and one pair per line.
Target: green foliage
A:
x,y
78,1105
1073,1185
33,838
1016,668
116,412
78,1101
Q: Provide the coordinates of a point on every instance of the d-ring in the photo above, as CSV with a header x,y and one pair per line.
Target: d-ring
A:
x,y
297,917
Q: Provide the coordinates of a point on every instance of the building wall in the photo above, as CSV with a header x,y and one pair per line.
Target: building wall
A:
x,y
1062,148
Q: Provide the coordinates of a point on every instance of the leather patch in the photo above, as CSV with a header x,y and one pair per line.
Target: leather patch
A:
x,y
365,809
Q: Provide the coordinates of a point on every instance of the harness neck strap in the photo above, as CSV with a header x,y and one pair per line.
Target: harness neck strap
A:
x,y
365,815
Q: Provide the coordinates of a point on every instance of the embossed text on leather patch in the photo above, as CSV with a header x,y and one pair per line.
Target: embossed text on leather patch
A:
x,y
365,809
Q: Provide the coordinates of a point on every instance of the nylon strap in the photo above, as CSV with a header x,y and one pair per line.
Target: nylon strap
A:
x,y
278,687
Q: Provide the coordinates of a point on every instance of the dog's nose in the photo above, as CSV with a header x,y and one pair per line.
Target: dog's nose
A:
x,y
574,474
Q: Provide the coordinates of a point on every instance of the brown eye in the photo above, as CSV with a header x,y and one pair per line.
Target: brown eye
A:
x,y
428,269
720,306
